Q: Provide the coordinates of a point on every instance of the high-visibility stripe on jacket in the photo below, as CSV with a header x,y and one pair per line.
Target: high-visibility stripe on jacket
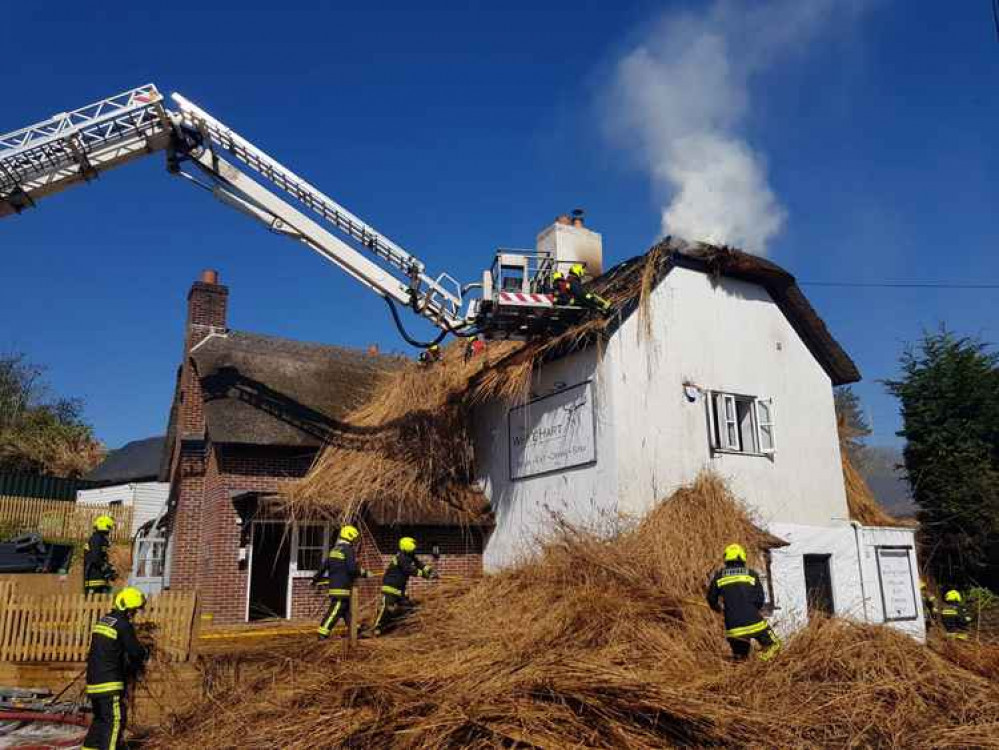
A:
x,y
96,566
115,654
954,617
341,569
402,567
740,589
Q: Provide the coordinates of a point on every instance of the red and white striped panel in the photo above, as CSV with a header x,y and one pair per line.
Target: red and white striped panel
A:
x,y
519,299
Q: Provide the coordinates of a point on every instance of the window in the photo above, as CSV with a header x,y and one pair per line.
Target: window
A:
x,y
310,547
150,557
741,424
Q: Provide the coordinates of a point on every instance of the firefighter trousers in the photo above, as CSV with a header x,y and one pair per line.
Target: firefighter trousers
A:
x,y
390,611
765,636
339,609
107,730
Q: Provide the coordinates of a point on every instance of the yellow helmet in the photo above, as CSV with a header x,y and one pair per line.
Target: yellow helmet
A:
x,y
953,596
577,268
735,553
349,533
129,598
104,523
407,544
557,275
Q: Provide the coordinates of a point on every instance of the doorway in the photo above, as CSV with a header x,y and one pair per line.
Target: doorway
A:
x,y
818,585
269,567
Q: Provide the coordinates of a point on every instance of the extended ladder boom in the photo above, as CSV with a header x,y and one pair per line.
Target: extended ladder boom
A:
x,y
75,147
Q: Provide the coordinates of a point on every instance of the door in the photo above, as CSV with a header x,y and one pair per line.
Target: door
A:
x,y
818,585
148,562
269,570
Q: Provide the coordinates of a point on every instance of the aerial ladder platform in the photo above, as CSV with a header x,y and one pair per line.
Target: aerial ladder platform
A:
x,y
512,299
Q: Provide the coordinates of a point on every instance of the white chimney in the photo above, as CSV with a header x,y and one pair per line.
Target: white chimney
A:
x,y
568,242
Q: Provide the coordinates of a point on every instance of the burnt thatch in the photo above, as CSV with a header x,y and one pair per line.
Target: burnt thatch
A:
x,y
644,272
405,455
264,390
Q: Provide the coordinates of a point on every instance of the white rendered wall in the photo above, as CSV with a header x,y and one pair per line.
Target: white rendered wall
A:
x,y
723,335
856,589
147,499
585,495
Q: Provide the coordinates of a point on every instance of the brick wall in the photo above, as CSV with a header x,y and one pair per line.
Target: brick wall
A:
x,y
223,578
188,484
307,602
207,306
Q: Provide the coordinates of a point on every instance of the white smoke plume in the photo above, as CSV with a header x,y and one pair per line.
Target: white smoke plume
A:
x,y
681,97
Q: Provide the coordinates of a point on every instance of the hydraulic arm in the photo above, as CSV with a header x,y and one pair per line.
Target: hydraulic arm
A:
x,y
76,147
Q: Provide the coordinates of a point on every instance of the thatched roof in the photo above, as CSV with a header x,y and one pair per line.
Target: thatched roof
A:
x,y
264,390
724,261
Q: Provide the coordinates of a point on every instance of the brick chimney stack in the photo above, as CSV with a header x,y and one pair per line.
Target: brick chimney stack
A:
x,y
207,303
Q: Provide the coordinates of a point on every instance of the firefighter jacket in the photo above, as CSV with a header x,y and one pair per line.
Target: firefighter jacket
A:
x,y
929,607
341,569
97,570
955,617
400,569
740,588
562,291
116,655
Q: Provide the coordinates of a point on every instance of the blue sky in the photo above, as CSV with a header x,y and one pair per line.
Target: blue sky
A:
x,y
459,127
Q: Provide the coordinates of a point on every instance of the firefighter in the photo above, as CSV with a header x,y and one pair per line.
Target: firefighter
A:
x,y
403,566
954,616
740,589
340,571
116,658
430,355
929,605
97,570
568,290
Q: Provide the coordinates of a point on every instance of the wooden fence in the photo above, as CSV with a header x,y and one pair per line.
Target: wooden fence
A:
x,y
58,519
57,628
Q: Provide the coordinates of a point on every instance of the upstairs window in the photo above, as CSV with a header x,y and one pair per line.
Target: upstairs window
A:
x,y
741,424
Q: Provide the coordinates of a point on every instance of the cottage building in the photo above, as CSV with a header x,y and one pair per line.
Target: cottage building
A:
x,y
726,367
249,414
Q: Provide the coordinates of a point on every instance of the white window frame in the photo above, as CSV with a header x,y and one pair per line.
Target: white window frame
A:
x,y
143,557
765,425
724,428
293,563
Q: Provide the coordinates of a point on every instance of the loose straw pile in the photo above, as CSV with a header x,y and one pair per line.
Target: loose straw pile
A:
x,y
598,642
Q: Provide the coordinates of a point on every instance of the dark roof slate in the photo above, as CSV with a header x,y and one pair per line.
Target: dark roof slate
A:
x,y
138,461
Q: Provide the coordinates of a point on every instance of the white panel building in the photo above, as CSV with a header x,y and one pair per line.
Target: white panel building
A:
x,y
148,499
131,476
733,372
